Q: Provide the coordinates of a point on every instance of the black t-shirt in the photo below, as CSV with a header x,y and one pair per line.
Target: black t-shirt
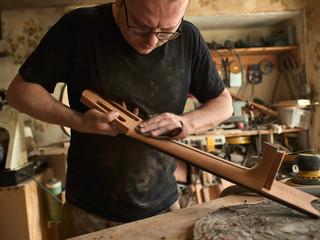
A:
x,y
120,178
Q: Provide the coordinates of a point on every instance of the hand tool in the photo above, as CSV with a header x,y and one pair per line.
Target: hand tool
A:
x,y
259,178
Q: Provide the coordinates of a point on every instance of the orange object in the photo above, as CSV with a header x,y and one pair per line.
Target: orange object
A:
x,y
259,178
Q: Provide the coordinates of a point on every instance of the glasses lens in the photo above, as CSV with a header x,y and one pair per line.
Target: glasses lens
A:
x,y
138,31
167,36
161,35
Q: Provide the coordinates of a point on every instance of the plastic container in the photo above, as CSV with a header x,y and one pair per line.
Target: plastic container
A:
x,y
55,187
295,117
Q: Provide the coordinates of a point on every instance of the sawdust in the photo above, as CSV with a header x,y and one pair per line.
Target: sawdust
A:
x,y
267,220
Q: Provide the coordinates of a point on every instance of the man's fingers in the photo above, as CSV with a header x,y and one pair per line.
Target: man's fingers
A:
x,y
136,111
166,124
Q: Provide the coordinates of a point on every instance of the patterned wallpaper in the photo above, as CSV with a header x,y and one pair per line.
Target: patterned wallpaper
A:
x,y
22,31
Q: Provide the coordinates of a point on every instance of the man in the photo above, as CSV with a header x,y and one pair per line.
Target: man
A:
x,y
143,54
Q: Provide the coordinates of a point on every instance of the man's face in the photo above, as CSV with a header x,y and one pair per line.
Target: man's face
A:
x,y
152,15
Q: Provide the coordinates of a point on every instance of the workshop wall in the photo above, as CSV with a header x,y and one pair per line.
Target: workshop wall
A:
x,y
311,14
22,30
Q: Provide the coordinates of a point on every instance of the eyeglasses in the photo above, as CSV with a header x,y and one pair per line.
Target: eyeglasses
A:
x,y
140,31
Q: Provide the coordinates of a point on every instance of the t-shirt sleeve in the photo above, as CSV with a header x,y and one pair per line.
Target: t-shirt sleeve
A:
x,y
206,83
47,64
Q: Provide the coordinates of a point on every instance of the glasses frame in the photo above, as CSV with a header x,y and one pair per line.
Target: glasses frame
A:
x,y
174,35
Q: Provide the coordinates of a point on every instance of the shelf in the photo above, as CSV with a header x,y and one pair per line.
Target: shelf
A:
x,y
22,4
240,133
254,55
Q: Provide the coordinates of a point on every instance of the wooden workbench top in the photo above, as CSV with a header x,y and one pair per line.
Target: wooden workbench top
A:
x,y
172,225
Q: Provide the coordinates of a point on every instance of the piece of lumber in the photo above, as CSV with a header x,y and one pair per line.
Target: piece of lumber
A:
x,y
262,108
293,103
259,178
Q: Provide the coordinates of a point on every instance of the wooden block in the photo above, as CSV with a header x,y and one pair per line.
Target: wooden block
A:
x,y
198,188
181,171
210,193
25,211
205,194
214,192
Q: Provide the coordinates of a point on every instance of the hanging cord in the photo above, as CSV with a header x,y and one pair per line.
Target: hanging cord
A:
x,y
291,72
252,88
259,147
233,48
276,87
43,187
241,69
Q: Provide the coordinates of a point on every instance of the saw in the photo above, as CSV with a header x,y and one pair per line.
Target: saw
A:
x,y
260,178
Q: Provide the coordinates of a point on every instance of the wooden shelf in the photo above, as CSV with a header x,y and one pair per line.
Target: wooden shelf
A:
x,y
254,55
239,132
21,4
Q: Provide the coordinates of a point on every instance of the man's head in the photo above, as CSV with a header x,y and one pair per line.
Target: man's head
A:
x,y
140,21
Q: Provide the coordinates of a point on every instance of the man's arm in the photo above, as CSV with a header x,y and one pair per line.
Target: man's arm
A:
x,y
36,101
209,115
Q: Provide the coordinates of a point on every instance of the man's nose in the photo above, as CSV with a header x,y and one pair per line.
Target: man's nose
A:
x,y
151,40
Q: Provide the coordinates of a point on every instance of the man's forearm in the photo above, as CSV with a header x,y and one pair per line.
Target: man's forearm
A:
x,y
33,100
211,113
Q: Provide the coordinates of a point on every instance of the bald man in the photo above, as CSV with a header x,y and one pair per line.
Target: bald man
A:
x,y
144,55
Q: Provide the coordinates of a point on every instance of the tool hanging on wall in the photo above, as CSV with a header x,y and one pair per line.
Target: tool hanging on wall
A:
x,y
254,77
260,178
235,74
225,64
290,71
254,74
265,66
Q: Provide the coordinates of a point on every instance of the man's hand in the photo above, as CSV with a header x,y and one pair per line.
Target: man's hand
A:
x,y
100,123
204,118
164,125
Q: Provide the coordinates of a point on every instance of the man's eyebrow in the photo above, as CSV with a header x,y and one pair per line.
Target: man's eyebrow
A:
x,y
140,24
148,27
169,28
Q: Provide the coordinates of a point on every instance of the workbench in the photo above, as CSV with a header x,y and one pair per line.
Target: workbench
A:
x,y
246,216
173,225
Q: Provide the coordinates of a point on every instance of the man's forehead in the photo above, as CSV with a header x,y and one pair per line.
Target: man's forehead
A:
x,y
158,2
156,13
158,6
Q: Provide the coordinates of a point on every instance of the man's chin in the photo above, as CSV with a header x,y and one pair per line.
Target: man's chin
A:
x,y
144,50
